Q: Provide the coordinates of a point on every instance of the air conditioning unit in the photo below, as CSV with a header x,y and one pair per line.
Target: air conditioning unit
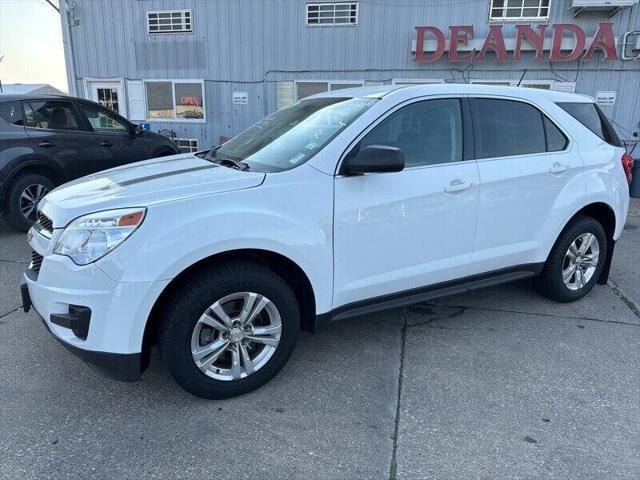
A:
x,y
609,6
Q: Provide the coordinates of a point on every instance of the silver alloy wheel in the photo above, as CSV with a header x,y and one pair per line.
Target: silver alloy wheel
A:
x,y
580,261
29,199
236,336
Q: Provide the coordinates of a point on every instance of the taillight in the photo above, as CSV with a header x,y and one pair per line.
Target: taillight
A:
x,y
627,165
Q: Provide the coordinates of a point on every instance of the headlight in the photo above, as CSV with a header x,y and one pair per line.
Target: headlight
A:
x,y
92,236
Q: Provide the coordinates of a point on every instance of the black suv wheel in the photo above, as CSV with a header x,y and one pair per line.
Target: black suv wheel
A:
x,y
24,195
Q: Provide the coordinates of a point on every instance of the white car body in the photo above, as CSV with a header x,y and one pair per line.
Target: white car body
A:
x,y
356,238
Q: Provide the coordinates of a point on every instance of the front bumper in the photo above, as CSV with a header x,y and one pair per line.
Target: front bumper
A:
x,y
98,319
124,367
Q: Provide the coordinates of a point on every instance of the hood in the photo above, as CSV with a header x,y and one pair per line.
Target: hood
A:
x,y
144,184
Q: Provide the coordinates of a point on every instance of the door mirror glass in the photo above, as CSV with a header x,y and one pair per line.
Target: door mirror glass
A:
x,y
374,159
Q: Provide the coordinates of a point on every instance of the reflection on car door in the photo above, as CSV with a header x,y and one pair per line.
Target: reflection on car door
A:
x,y
119,146
524,165
57,132
399,231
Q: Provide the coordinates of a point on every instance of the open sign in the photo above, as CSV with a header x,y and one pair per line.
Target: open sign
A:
x,y
190,100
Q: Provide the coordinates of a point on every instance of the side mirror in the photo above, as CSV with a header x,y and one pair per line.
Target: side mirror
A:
x,y
374,159
135,129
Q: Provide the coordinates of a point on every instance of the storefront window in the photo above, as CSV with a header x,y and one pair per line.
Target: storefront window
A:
x,y
175,100
307,88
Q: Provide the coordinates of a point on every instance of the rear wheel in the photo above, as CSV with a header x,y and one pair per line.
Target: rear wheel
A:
x,y
575,262
24,195
228,329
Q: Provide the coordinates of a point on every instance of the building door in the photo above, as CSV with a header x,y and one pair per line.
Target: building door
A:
x,y
109,94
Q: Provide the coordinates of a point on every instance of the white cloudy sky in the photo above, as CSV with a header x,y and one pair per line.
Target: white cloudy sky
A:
x,y
31,42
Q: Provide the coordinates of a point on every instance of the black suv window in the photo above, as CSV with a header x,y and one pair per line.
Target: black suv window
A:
x,y
11,112
590,115
505,127
51,114
103,120
428,132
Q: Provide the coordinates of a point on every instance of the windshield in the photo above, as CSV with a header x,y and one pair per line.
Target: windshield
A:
x,y
291,136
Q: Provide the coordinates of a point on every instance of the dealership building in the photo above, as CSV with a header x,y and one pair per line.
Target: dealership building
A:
x,y
203,70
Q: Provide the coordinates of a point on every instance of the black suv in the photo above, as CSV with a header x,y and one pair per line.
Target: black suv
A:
x,y
48,140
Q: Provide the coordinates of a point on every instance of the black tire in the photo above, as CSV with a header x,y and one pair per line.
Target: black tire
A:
x,y
15,216
194,296
550,282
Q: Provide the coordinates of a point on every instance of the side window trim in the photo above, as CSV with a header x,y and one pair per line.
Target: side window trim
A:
x,y
383,116
476,128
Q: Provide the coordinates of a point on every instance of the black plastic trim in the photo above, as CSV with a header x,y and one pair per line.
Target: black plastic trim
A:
x,y
26,298
423,294
78,320
124,367
604,275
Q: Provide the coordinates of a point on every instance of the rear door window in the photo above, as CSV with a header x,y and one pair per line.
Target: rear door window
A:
x,y
556,141
11,113
590,115
51,115
505,128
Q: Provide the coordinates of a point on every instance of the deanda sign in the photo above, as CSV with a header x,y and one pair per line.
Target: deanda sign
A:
x,y
561,42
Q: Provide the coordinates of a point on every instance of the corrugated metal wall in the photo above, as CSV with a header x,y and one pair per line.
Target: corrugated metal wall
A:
x,y
249,45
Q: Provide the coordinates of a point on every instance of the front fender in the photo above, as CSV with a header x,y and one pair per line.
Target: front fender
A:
x,y
293,220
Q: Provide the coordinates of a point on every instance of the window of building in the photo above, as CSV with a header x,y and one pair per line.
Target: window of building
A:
x,y
332,13
169,21
51,114
103,120
505,127
502,10
541,84
175,100
416,81
108,97
11,113
187,145
428,132
306,88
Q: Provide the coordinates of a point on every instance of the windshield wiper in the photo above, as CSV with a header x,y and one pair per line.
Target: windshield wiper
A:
x,y
226,161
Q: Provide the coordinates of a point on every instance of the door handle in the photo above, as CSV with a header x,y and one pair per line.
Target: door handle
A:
x,y
46,144
458,185
106,144
558,168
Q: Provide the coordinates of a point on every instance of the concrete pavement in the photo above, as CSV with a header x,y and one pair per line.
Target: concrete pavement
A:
x,y
499,383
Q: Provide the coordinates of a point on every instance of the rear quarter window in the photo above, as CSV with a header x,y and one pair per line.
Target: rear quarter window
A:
x,y
590,115
11,113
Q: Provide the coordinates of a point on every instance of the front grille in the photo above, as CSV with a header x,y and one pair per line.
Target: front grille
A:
x,y
36,262
45,222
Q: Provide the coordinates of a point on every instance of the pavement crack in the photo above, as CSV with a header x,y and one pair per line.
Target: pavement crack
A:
x,y
15,262
393,467
7,314
550,315
624,297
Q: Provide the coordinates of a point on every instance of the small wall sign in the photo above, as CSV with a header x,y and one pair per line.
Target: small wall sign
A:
x,y
606,98
240,98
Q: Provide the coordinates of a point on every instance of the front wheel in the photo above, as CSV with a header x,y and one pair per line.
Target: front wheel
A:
x,y
575,262
24,196
228,329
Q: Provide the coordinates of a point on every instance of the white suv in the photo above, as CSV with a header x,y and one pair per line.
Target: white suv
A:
x,y
342,204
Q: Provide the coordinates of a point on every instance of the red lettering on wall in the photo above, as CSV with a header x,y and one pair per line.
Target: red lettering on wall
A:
x,y
495,42
580,37
437,54
537,40
604,41
461,34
